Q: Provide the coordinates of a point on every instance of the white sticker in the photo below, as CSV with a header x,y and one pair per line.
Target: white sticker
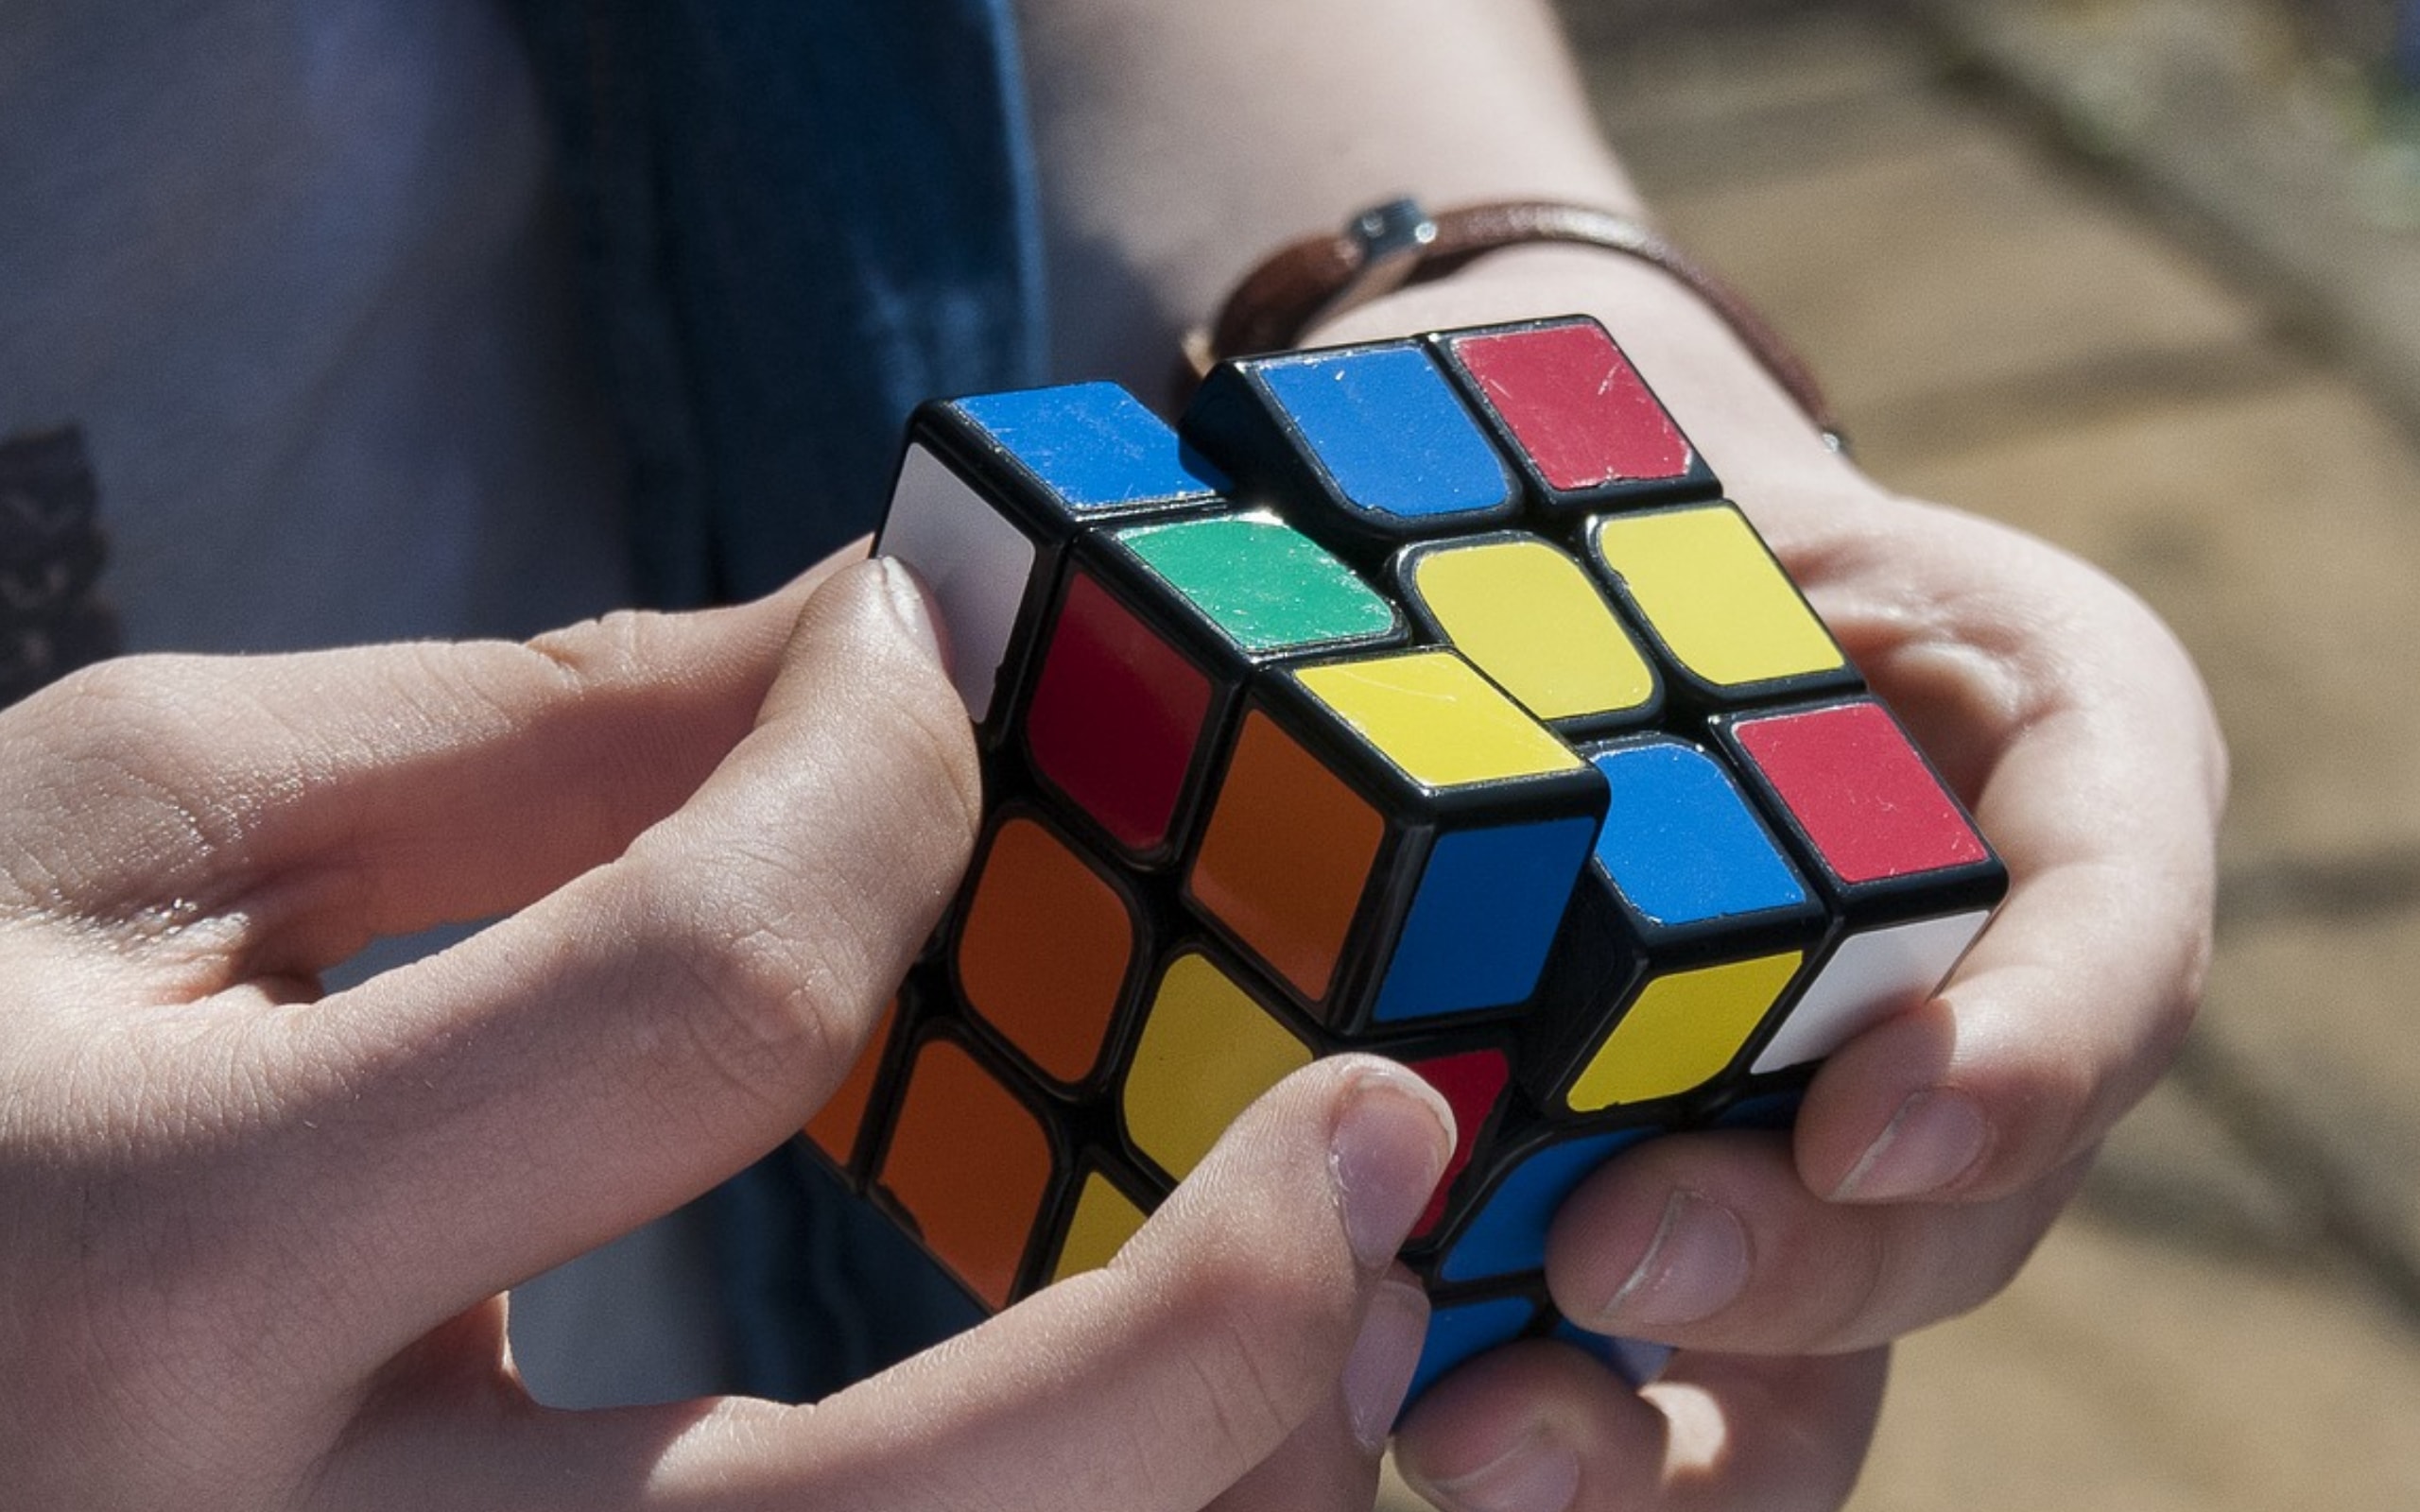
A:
x,y
974,560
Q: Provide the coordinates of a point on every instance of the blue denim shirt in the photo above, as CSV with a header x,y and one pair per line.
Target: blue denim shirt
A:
x,y
797,218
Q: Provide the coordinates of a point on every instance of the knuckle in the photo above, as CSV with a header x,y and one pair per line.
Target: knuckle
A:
x,y
1251,1348
769,994
928,762
604,649
111,708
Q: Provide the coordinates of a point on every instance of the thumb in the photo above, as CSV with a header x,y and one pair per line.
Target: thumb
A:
x,y
1256,1313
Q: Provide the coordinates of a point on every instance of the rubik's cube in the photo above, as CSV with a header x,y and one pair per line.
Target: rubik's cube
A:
x,y
1422,697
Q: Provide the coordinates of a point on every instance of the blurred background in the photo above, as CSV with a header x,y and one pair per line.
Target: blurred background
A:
x,y
2142,276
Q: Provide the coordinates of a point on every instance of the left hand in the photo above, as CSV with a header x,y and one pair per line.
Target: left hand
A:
x,y
1935,1149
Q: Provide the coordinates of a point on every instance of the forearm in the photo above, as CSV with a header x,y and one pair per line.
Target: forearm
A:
x,y
1179,143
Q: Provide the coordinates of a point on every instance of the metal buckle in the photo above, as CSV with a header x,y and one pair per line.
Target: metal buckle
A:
x,y
1392,239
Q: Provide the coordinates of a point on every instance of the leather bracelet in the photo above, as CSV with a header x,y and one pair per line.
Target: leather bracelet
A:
x,y
1395,245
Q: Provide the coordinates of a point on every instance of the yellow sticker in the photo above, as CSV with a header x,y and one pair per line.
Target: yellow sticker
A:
x,y
1207,1051
1105,1219
1531,618
1440,721
1682,1030
1705,581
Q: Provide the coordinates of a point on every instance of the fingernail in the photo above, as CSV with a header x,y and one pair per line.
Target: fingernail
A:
x,y
1388,1150
910,606
1697,1262
1935,1138
1535,1475
1378,1372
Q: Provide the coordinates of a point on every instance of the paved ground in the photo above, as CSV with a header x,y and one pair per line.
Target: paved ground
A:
x,y
2230,1320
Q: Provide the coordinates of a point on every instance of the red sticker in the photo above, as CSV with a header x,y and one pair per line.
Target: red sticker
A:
x,y
1116,717
1864,797
1575,406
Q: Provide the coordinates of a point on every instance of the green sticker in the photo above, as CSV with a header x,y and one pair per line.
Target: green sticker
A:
x,y
1267,586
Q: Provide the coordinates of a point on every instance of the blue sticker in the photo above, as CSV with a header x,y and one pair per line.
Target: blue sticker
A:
x,y
1509,1234
1457,1333
1094,445
1384,425
1484,917
1680,843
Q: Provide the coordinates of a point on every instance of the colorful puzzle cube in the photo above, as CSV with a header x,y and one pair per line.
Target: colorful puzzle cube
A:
x,y
1422,698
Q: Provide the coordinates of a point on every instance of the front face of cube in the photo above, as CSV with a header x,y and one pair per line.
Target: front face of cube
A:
x,y
1422,698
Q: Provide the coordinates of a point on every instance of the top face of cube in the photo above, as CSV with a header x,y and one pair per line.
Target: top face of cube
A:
x,y
1384,425
1576,417
1530,617
1261,584
1091,447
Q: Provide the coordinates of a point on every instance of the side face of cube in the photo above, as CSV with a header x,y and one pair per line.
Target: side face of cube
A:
x,y
1049,953
971,1163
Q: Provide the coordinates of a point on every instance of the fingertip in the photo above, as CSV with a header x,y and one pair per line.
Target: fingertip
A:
x,y
880,598
1389,1143
1934,1141
1885,1120
1504,1432
867,636
1534,1474
1538,1426
1656,1244
1971,1098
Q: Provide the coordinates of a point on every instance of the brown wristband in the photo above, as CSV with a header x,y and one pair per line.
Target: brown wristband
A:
x,y
1393,246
